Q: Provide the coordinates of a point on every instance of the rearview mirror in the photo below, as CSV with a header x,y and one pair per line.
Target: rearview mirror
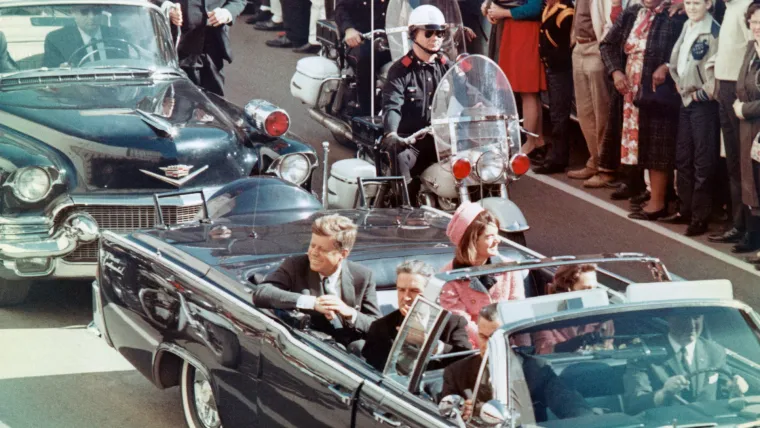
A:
x,y
493,412
449,404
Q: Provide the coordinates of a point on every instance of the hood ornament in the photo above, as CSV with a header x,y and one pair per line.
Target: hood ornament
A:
x,y
176,175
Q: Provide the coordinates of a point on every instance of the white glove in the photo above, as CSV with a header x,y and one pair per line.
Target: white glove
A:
x,y
219,16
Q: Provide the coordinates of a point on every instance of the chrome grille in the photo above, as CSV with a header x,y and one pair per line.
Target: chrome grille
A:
x,y
125,219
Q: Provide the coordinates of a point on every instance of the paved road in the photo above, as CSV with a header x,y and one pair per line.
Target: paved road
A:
x,y
56,374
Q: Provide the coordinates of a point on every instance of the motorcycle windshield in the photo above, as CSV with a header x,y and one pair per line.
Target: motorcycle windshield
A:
x,y
397,31
474,112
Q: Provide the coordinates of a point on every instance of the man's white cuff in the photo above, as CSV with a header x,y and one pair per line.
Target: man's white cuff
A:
x,y
306,302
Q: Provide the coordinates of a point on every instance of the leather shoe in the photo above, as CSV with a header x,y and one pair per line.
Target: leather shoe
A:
x,y
696,228
280,42
621,193
676,218
643,215
755,258
264,15
581,174
730,236
641,197
269,26
308,48
538,154
549,168
750,242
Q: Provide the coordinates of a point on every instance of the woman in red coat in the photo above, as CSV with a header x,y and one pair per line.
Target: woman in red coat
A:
x,y
475,233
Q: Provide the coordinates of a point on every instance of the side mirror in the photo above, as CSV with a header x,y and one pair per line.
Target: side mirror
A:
x,y
449,404
494,412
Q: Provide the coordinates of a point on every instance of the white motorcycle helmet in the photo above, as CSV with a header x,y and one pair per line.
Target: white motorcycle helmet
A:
x,y
425,17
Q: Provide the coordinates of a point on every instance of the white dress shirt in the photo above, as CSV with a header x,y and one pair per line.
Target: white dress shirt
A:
x,y
332,286
101,48
689,350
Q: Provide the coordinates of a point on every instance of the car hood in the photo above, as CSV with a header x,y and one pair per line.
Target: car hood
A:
x,y
118,136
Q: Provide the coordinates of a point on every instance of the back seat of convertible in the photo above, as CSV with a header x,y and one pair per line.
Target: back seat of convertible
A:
x,y
384,271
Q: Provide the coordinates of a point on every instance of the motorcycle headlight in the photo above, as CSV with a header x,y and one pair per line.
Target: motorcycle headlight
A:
x,y
490,167
294,168
32,184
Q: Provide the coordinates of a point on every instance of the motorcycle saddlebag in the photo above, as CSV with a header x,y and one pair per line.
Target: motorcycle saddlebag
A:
x,y
328,33
367,129
310,73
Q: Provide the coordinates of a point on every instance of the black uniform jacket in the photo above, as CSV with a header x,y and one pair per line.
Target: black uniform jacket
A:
x,y
6,62
408,93
382,333
357,14
546,389
554,37
196,37
284,286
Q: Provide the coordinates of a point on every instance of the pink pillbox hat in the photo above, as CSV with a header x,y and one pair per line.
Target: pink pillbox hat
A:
x,y
462,219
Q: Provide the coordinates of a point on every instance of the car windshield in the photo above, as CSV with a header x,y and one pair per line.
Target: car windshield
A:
x,y
645,366
83,36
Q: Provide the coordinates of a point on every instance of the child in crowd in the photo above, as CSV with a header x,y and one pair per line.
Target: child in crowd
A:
x,y
698,146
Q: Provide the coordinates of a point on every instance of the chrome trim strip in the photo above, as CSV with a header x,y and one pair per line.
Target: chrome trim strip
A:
x,y
182,353
97,313
16,3
78,228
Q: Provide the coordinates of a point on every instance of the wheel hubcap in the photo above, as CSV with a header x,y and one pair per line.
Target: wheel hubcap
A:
x,y
205,404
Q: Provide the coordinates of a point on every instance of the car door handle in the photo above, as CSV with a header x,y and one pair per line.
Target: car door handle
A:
x,y
344,397
382,418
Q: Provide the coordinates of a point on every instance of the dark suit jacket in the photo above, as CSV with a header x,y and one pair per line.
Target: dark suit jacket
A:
x,y
63,42
546,389
644,378
382,333
285,285
6,62
197,38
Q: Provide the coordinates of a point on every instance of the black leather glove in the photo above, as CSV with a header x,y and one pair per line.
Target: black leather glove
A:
x,y
393,143
579,342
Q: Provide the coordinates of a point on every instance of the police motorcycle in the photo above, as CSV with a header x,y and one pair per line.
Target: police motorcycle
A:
x,y
327,84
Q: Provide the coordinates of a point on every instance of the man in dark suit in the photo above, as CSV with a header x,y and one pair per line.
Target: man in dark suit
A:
x,y
669,381
411,279
204,42
6,62
545,388
338,293
87,38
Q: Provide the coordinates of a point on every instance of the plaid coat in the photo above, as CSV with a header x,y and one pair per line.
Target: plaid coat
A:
x,y
658,127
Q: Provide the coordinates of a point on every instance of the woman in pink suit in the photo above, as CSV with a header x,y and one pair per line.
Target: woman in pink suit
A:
x,y
475,231
570,339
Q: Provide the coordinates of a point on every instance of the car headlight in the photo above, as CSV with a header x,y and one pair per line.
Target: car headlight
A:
x,y
32,184
294,168
490,167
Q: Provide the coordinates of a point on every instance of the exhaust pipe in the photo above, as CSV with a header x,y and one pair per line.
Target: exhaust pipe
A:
x,y
332,125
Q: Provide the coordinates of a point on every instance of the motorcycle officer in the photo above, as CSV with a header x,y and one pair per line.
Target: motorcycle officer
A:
x,y
354,17
408,96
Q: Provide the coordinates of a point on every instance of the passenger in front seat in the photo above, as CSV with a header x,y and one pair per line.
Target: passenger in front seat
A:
x,y
411,279
543,384
6,62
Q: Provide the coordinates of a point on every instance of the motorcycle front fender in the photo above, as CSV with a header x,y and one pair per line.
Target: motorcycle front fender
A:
x,y
509,214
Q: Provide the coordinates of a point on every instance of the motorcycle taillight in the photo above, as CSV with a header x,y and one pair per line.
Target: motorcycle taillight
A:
x,y
519,164
276,124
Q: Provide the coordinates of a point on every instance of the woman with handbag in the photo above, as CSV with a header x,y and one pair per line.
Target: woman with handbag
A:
x,y
644,110
747,109
519,58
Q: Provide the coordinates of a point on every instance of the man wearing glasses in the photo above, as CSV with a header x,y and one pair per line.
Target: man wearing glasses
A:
x,y
408,95
339,294
86,41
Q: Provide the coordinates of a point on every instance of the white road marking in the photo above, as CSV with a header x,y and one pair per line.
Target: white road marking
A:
x,y
653,226
50,352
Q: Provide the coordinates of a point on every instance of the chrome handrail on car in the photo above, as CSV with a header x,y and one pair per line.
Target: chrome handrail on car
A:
x,y
160,216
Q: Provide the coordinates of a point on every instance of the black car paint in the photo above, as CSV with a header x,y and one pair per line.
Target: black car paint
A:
x,y
279,376
94,133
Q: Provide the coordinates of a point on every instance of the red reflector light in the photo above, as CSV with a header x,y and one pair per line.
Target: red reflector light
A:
x,y
461,169
520,164
276,124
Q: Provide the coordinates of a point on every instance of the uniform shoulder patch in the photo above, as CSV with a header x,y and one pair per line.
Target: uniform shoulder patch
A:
x,y
406,61
715,29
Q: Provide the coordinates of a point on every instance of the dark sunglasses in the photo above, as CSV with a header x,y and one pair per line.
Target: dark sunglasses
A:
x,y
439,33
